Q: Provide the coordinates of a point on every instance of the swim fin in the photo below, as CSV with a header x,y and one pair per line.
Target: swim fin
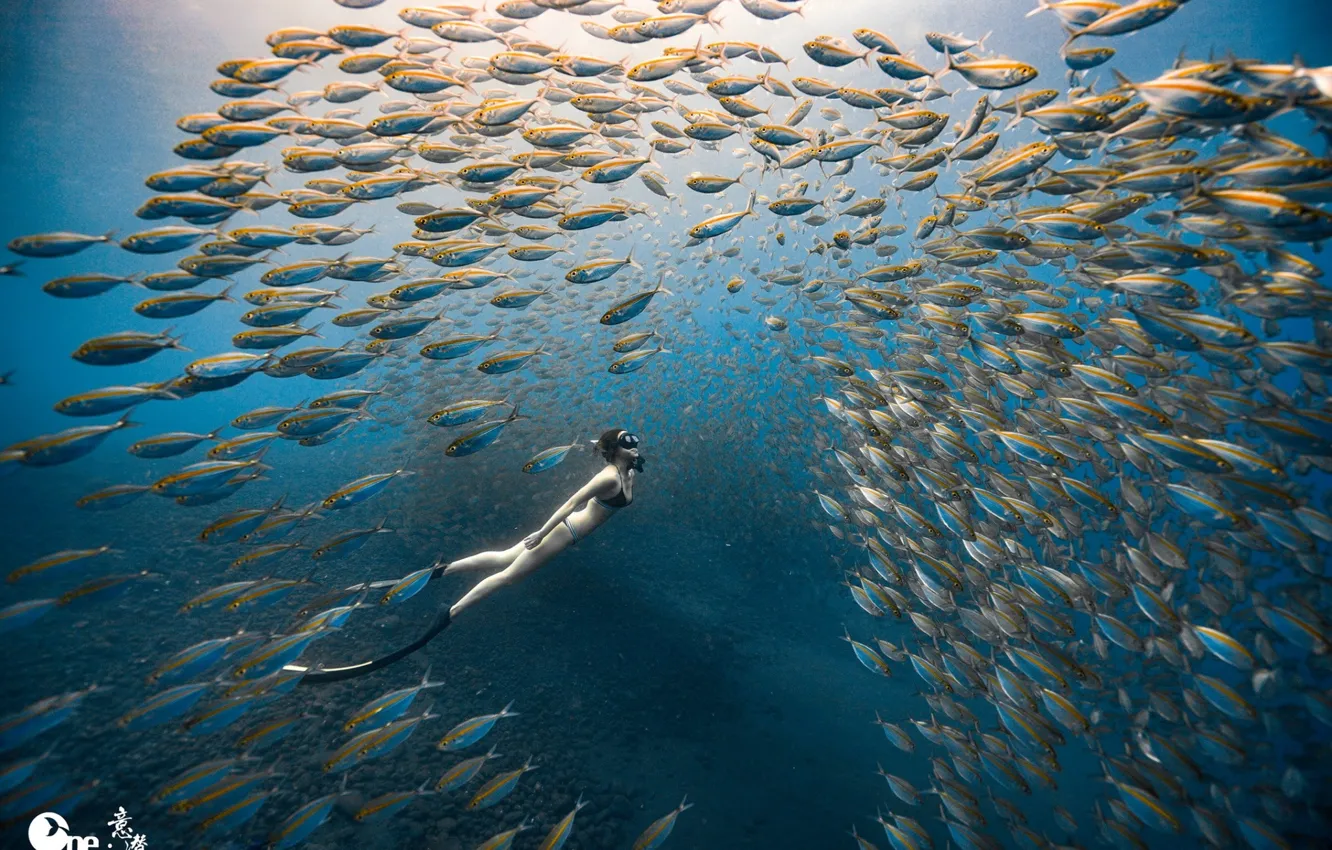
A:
x,y
329,675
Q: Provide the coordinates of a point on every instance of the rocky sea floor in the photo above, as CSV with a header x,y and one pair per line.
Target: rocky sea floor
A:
x,y
651,662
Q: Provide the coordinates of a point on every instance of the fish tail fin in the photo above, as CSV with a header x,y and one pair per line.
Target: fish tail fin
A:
x,y
1041,6
365,414
1068,42
698,45
1124,82
109,236
1100,186
948,64
505,712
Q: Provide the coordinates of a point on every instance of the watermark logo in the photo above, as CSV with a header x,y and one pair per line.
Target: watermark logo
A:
x,y
120,828
50,831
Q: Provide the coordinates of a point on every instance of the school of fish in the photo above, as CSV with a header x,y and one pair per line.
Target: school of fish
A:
x,y
1063,350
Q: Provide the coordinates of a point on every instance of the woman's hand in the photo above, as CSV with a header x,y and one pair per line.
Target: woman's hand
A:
x,y
533,540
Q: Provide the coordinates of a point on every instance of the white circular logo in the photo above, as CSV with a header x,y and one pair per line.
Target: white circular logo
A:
x,y
48,831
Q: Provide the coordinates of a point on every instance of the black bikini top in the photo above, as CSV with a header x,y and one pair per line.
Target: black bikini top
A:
x,y
614,503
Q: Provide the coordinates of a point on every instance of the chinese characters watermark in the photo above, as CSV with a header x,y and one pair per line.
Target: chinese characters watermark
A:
x,y
121,829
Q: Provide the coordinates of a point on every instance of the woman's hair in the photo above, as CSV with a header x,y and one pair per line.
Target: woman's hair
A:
x,y
608,443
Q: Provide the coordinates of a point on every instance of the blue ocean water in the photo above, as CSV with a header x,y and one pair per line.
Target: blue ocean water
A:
x,y
691,647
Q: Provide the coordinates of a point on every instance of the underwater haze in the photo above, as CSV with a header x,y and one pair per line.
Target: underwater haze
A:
x,y
978,352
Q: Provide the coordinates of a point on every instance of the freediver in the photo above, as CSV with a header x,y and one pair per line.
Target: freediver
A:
x,y
611,489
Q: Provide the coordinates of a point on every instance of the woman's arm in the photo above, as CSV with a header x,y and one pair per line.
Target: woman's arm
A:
x,y
598,486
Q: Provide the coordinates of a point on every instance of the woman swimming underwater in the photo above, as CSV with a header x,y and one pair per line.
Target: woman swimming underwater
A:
x,y
595,502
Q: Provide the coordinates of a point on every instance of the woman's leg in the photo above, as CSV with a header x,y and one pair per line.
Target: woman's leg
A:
x,y
527,562
496,560
518,561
